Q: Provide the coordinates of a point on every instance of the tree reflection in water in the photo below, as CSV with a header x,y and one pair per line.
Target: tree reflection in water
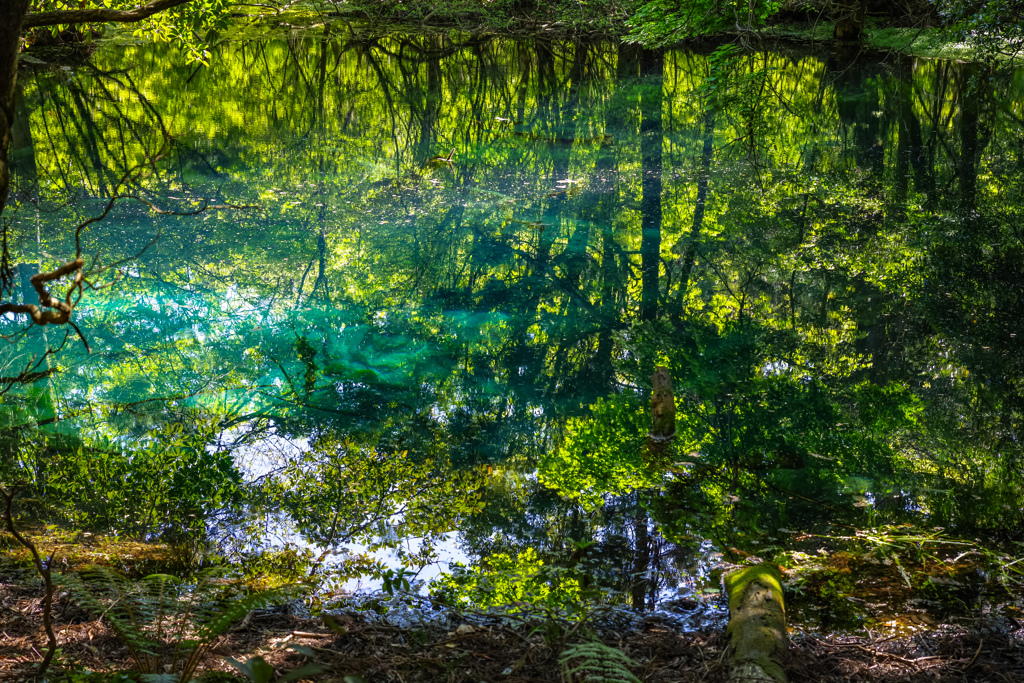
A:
x,y
824,255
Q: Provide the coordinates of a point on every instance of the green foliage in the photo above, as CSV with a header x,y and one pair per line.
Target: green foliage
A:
x,y
271,568
167,480
594,662
168,624
394,580
462,13
191,26
600,454
662,22
504,580
592,16
341,491
487,310
887,409
755,434
596,16
993,28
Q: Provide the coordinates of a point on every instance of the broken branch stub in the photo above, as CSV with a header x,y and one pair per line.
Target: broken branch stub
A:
x,y
757,624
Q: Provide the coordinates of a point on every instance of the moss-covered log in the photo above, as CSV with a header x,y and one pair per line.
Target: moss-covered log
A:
x,y
757,624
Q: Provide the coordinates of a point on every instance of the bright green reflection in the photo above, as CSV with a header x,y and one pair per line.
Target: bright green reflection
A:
x,y
474,253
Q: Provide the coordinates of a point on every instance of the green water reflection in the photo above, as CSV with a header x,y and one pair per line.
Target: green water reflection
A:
x,y
462,258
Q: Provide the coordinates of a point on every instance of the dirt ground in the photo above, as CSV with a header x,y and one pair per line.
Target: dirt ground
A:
x,y
492,652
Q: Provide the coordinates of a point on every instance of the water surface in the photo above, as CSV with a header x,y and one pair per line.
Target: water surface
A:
x,y
453,264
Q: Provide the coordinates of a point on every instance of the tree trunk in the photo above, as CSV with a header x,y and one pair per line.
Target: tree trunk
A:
x,y
22,155
757,624
663,415
12,12
95,15
966,167
850,26
641,558
688,250
650,202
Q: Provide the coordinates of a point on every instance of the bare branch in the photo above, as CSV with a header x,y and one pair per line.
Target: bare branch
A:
x,y
61,310
80,336
196,212
31,372
43,569
97,15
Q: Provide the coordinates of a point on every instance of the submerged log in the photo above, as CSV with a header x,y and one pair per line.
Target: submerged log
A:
x,y
757,624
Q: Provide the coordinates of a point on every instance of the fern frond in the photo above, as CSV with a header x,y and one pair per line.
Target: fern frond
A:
x,y
237,608
596,663
164,620
112,596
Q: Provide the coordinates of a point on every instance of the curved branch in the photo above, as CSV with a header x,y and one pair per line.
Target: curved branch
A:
x,y
61,312
43,569
97,15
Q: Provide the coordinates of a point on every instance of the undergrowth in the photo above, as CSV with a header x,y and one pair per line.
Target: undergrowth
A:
x,y
168,624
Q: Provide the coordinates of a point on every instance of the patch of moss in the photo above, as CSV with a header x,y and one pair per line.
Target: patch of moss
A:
x,y
74,550
736,582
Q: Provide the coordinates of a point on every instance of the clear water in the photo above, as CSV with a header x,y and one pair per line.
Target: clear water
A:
x,y
441,251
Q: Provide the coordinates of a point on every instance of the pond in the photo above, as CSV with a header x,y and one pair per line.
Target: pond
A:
x,y
405,294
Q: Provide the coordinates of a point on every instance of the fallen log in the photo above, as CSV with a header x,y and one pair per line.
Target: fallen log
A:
x,y
757,624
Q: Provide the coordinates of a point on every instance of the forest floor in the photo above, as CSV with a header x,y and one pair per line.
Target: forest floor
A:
x,y
475,651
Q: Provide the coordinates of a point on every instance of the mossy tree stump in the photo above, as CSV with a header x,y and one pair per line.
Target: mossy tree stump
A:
x,y
757,624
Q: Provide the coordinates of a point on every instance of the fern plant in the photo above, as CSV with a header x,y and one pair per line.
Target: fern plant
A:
x,y
257,670
594,662
168,624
